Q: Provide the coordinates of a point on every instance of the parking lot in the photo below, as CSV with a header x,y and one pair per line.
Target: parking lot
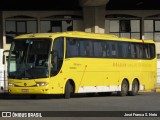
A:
x,y
142,102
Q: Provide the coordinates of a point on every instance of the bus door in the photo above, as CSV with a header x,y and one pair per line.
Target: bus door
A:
x,y
57,56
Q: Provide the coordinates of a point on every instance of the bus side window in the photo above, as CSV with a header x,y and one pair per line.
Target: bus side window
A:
x,y
104,49
108,50
114,49
124,49
152,51
86,49
140,51
90,48
129,51
83,51
137,47
57,55
120,49
72,48
133,50
146,52
97,49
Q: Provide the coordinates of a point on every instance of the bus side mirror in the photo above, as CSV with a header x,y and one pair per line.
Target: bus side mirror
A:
x,y
4,55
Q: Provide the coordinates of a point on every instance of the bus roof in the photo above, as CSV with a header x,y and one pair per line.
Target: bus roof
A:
x,y
81,35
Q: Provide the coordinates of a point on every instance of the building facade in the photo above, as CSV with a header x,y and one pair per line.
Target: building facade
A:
x,y
99,16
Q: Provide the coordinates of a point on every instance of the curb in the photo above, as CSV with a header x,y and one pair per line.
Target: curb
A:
x,y
156,90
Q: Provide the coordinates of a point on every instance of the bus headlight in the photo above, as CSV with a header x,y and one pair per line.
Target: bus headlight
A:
x,y
11,84
42,83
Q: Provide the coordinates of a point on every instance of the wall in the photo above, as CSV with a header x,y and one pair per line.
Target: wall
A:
x,y
149,24
38,16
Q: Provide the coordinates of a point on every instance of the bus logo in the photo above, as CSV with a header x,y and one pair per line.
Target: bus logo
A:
x,y
25,84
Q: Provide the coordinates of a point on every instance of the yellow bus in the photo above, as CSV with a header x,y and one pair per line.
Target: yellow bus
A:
x,y
78,62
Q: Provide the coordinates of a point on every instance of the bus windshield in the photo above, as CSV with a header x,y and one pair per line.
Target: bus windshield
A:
x,y
28,58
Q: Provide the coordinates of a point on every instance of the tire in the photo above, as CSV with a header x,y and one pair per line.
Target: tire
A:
x,y
68,90
135,88
124,88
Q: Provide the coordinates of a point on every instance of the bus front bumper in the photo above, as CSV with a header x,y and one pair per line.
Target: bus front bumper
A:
x,y
28,90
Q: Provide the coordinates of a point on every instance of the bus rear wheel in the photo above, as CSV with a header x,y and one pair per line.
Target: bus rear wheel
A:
x,y
68,90
124,88
135,88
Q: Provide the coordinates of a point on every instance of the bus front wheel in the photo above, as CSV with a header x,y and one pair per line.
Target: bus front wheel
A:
x,y
124,88
68,90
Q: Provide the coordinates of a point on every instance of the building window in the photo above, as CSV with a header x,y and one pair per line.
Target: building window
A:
x,y
114,26
124,28
157,26
56,25
18,27
152,30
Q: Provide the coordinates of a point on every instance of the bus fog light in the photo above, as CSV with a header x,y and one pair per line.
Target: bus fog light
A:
x,y
42,83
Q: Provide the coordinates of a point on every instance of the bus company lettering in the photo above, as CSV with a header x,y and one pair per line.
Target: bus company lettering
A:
x,y
116,64
120,64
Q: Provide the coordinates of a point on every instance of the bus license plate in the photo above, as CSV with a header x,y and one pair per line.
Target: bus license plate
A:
x,y
24,91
